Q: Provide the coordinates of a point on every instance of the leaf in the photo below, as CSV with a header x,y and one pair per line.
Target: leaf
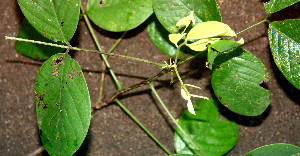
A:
x,y
63,105
55,19
33,50
119,15
210,29
212,135
169,12
201,45
284,41
279,149
235,80
211,56
159,36
181,155
277,5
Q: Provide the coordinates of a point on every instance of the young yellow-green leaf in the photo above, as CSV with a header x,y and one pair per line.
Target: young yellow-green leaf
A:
x,y
186,20
63,106
33,50
284,41
55,19
212,135
277,5
235,80
169,12
119,15
201,45
279,149
175,38
210,29
159,36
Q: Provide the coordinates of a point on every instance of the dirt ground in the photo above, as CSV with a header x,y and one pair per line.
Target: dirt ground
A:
x,y
112,132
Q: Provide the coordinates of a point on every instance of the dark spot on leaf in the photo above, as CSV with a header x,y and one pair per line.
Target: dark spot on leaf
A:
x,y
63,87
57,32
258,101
58,139
226,105
101,3
70,76
56,104
41,97
45,35
52,39
48,139
66,83
142,5
55,73
58,61
220,97
62,22
53,118
50,123
45,106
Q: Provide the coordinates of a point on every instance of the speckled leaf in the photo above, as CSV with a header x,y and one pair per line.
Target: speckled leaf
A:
x,y
279,149
212,135
55,19
119,15
33,50
277,5
169,12
63,105
284,41
235,80
159,36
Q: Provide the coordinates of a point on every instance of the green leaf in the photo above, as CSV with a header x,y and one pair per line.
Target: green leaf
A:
x,y
63,105
225,46
119,15
212,135
55,19
279,149
211,56
181,155
277,5
235,80
169,12
33,50
159,36
284,41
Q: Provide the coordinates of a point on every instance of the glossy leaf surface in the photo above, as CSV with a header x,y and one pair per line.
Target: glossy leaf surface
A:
x,y
284,41
63,105
159,36
169,12
277,5
235,80
212,135
33,50
55,19
119,15
276,150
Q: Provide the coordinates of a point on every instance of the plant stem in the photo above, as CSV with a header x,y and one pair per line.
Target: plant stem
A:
x,y
113,75
101,88
177,53
170,115
254,25
142,126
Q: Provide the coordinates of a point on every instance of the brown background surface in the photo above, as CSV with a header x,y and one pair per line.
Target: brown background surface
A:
x,y
112,132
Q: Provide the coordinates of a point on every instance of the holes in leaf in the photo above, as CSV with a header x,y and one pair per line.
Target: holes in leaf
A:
x,y
62,22
55,73
52,39
50,124
58,61
45,106
220,97
57,104
101,3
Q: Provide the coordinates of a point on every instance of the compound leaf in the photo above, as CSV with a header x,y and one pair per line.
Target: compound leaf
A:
x,y
55,19
119,15
169,12
63,105
212,135
275,150
159,36
284,41
277,5
33,50
235,80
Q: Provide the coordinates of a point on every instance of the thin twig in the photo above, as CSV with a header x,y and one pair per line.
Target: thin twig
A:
x,y
37,151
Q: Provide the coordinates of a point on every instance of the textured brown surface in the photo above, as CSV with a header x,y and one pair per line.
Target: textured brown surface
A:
x,y
112,132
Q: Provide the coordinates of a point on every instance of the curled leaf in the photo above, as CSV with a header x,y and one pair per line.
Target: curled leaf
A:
x,y
210,29
201,45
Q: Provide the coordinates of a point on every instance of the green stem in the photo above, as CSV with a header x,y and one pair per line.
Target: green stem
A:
x,y
118,84
254,25
104,68
178,49
143,127
170,115
179,78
